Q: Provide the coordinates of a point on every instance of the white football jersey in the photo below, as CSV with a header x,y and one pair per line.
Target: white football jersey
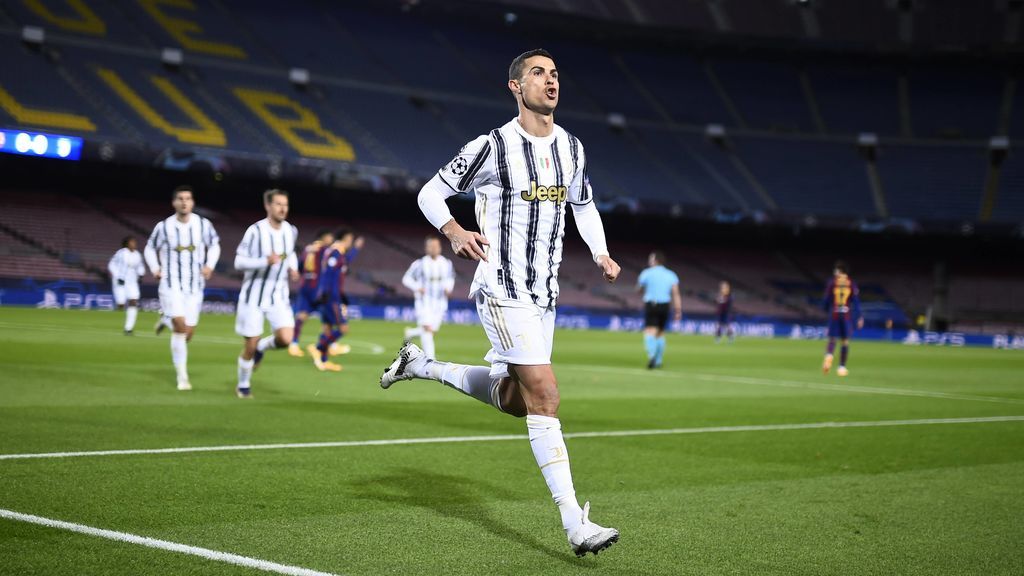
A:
x,y
435,276
181,250
268,285
126,265
522,184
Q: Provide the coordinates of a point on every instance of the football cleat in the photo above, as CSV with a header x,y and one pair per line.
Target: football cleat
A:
x,y
842,371
243,392
295,350
129,333
410,363
329,367
652,364
160,326
338,349
184,385
589,537
827,364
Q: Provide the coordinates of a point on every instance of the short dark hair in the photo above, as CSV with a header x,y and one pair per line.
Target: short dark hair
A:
x,y
515,70
659,256
182,188
321,232
126,240
268,196
842,267
430,237
341,232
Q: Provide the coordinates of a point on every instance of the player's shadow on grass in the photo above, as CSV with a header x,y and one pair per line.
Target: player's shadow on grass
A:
x,y
455,497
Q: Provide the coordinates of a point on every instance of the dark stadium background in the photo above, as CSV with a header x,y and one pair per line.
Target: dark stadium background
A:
x,y
752,141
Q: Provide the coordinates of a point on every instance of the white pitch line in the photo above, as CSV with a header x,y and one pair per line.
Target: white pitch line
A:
x,y
507,437
799,384
215,555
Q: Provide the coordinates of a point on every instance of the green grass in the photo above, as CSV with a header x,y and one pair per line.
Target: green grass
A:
x,y
925,499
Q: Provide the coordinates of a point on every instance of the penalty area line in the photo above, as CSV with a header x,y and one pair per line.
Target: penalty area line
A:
x,y
508,437
206,553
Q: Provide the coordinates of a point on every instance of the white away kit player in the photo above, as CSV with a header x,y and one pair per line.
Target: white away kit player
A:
x,y
431,279
125,269
181,253
522,175
267,257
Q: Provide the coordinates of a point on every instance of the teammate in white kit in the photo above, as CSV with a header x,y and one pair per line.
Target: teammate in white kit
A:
x,y
431,278
125,268
181,253
522,175
267,257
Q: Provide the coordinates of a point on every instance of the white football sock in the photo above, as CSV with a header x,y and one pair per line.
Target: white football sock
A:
x,y
267,343
130,314
553,459
413,332
472,381
244,371
179,355
427,342
167,321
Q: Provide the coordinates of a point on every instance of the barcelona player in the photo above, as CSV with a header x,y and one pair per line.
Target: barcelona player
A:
x,y
842,303
305,302
331,297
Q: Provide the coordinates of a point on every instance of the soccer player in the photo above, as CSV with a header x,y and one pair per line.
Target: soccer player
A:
x,y
266,255
181,253
125,269
305,302
659,286
431,279
842,303
723,303
331,297
522,175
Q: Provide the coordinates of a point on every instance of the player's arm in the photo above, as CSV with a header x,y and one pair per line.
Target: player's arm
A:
x,y
826,301
855,306
641,282
112,266
471,167
212,241
149,252
244,257
588,220
409,278
353,250
292,262
677,303
449,280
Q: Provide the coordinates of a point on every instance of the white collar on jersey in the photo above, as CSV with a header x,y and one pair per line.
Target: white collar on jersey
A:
x,y
538,140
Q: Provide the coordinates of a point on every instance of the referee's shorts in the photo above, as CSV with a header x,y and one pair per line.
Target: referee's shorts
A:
x,y
655,315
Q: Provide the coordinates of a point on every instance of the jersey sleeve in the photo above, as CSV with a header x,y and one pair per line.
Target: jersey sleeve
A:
x,y
675,278
212,241
114,264
411,278
642,279
579,189
248,255
152,246
470,167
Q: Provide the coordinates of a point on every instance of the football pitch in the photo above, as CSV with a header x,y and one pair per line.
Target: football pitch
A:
x,y
734,459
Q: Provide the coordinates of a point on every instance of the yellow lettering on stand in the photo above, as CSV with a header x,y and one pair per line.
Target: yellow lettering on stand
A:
x,y
266,105
85,22
205,132
185,31
43,118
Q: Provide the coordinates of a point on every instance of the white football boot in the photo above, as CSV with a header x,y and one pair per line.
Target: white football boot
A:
x,y
589,537
410,363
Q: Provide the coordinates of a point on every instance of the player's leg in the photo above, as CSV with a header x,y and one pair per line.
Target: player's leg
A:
x,y
294,348
331,317
131,311
659,347
172,303
649,333
282,326
845,330
427,341
830,348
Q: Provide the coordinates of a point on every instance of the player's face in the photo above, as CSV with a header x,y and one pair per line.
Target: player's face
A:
x,y
652,261
327,239
183,203
346,241
132,244
432,247
277,209
539,85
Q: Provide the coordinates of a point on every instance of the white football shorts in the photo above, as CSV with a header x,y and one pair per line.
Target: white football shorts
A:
x,y
249,318
430,313
521,333
180,304
125,292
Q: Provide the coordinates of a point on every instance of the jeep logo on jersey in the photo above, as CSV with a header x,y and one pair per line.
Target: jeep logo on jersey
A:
x,y
545,193
189,248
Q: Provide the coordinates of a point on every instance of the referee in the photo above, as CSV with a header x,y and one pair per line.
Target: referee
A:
x,y
659,286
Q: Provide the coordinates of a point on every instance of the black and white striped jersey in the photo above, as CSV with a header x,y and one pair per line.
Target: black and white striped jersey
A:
x,y
522,184
126,266
436,276
180,250
266,285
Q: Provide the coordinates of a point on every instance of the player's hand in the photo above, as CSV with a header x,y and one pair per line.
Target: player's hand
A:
x,y
157,274
272,259
120,281
860,323
465,244
421,290
610,268
678,315
358,244
207,272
